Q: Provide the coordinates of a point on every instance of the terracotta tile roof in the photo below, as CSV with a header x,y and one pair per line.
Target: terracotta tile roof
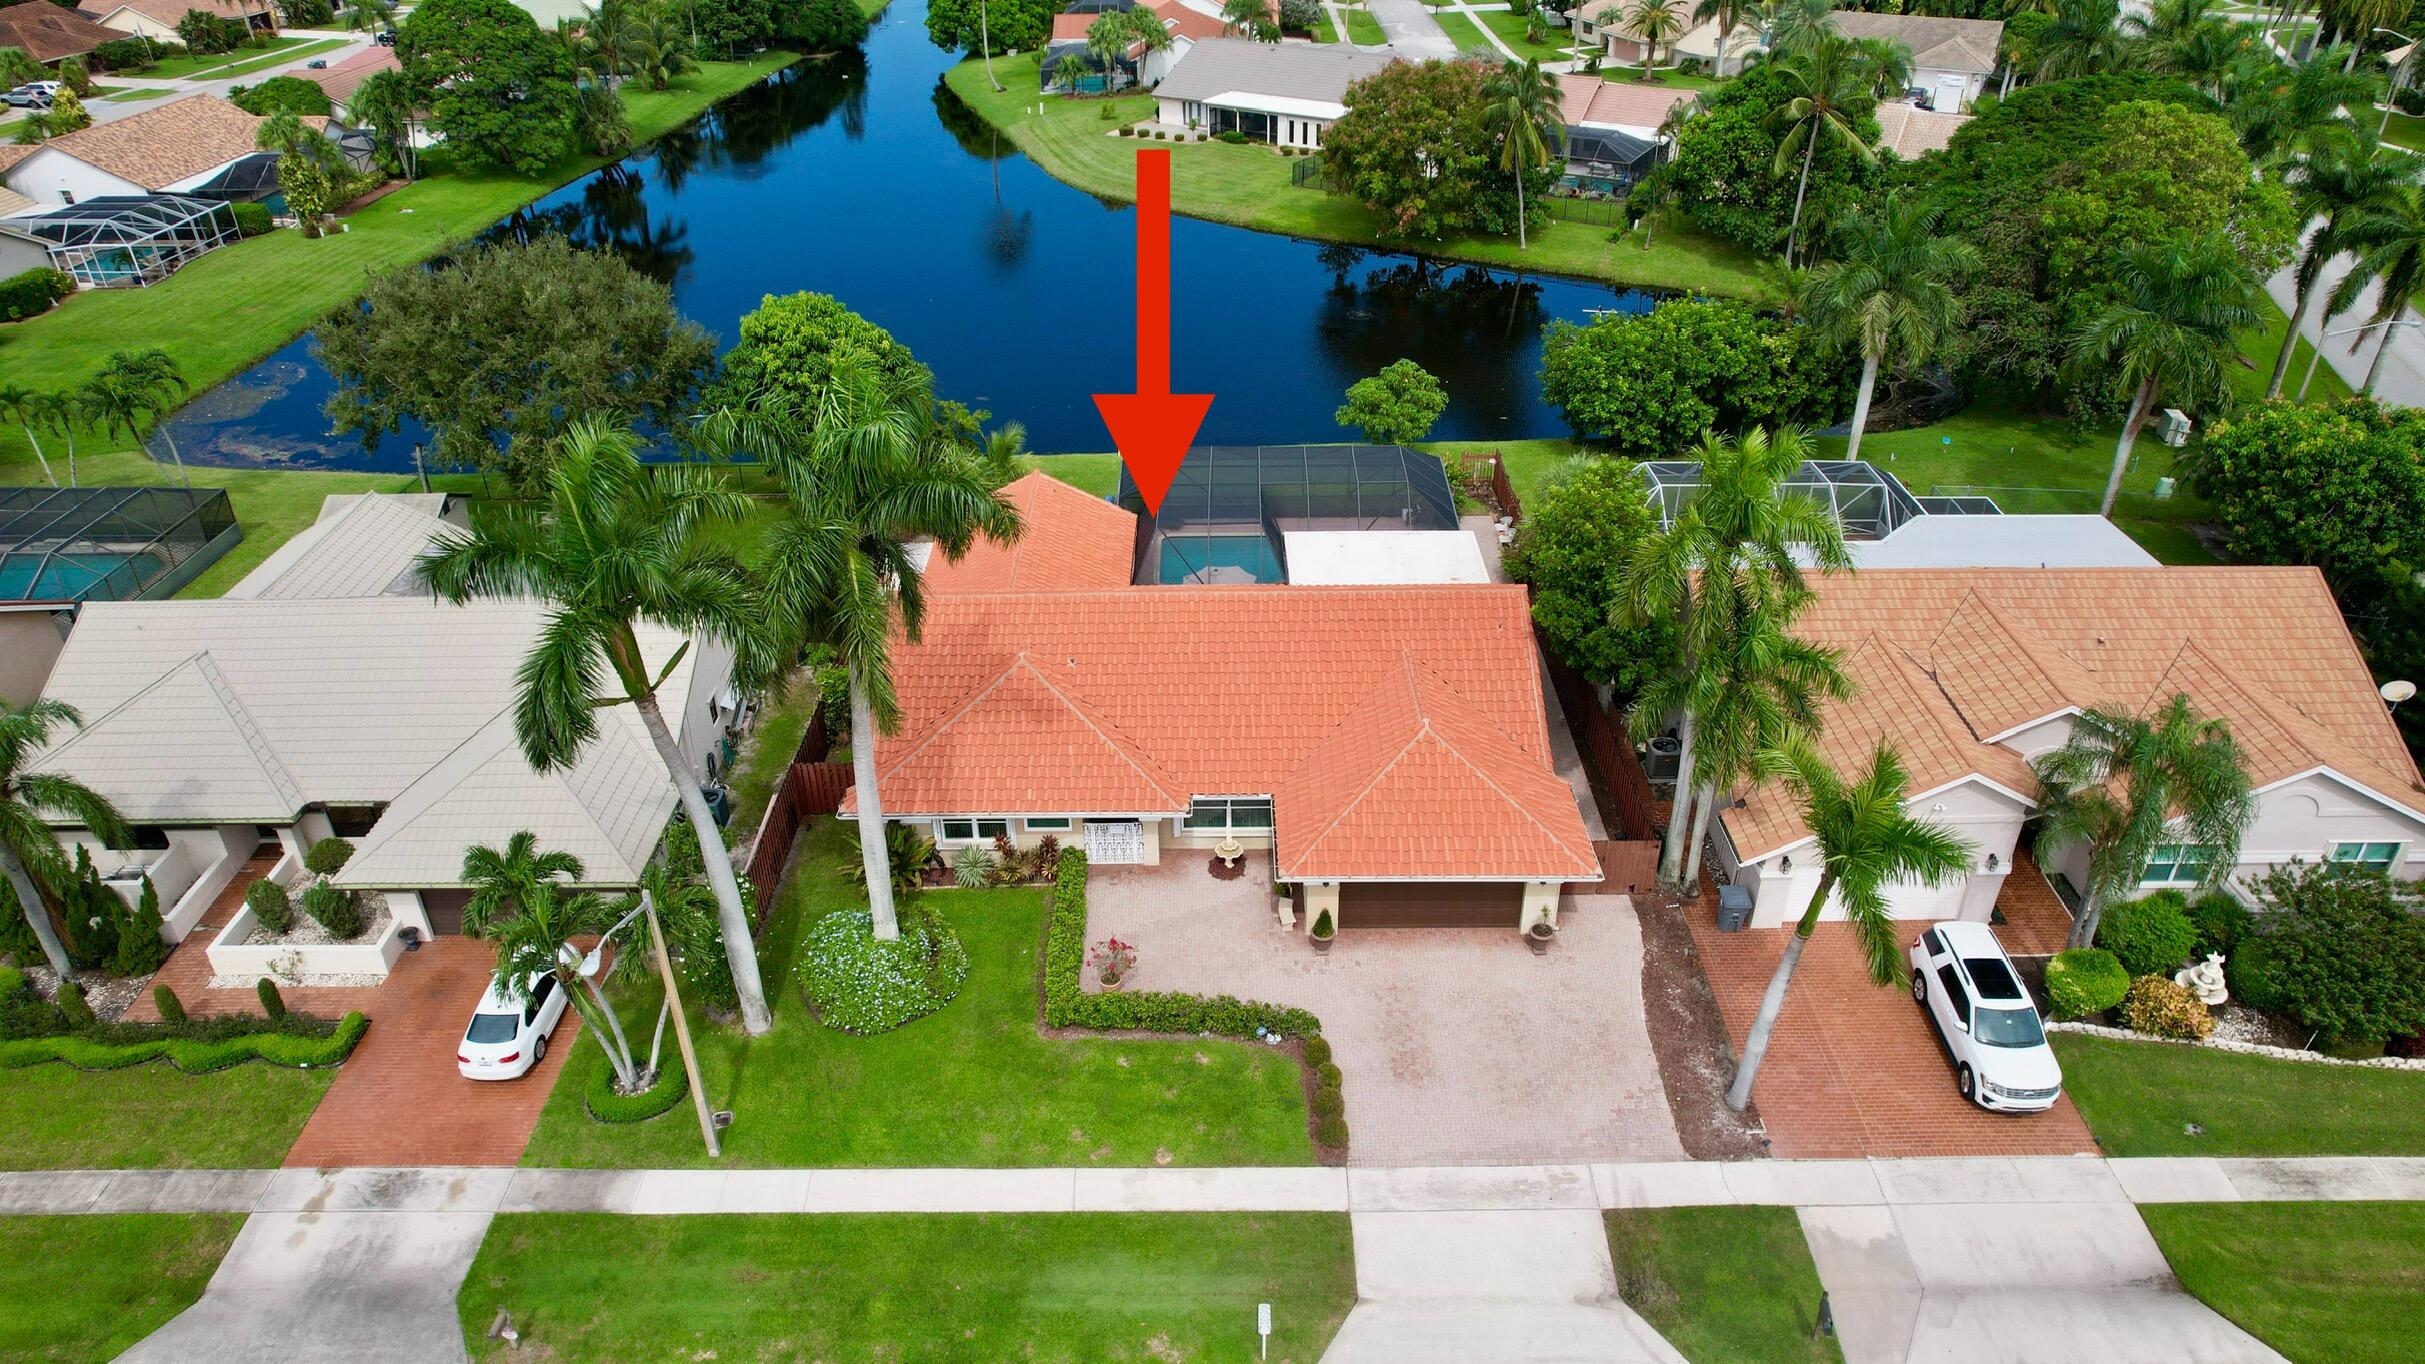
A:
x,y
1071,28
1129,701
1074,541
170,11
342,79
48,33
1183,22
1947,660
1912,132
1585,98
168,145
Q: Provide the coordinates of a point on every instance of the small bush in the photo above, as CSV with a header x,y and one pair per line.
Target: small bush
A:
x,y
127,54
2340,949
2152,935
1317,1051
1323,925
270,905
252,220
605,1105
328,856
2085,981
2160,1008
141,948
35,291
1328,1103
1332,1132
12,982
856,984
336,909
1128,132
2221,922
273,1004
971,867
1229,135
172,1009
71,1003
1328,1076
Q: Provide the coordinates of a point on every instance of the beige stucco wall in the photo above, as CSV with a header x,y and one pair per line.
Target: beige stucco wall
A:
x,y
1990,820
29,644
2299,820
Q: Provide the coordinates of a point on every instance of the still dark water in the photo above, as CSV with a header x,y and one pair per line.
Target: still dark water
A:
x,y
863,176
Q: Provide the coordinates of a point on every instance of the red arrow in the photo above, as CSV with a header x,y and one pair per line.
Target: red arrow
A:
x,y
1153,426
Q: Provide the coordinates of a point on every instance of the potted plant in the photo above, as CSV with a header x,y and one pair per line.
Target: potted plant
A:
x,y
1538,936
1321,931
1113,960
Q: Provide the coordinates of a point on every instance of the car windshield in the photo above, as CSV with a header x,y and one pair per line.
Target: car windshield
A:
x,y
2008,1028
493,1028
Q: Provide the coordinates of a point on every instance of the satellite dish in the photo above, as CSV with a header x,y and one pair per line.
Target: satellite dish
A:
x,y
2397,691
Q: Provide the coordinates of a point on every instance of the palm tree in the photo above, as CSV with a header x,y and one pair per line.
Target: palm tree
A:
x,y
2085,38
870,471
1866,842
26,844
2124,784
386,103
150,379
370,15
1252,18
1889,63
985,42
284,131
520,905
2359,19
1890,287
1738,530
657,50
1797,27
1833,93
115,407
1524,113
1654,22
612,546
2390,246
2341,186
1726,14
23,406
2172,333
1006,452
2283,112
2204,55
1107,40
63,412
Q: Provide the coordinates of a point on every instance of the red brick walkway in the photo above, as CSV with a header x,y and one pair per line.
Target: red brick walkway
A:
x,y
188,969
2035,921
1854,1069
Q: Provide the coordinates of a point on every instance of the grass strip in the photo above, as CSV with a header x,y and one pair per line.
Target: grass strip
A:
x,y
1721,1283
2141,1099
83,1288
2317,1281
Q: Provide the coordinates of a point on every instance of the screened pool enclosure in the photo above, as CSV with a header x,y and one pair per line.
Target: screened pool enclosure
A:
x,y
1869,502
118,241
1227,510
70,545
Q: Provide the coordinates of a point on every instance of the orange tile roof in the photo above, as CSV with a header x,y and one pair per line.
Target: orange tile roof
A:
x,y
1585,98
1949,659
1074,541
342,79
1129,701
1071,28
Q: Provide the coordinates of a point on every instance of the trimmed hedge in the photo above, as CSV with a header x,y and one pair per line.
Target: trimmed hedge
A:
x,y
194,1056
271,905
34,292
605,1105
2221,922
1067,1005
253,220
2152,935
2084,981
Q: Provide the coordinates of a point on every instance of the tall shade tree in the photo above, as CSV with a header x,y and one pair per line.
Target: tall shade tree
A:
x,y
1890,289
2124,783
23,406
26,844
1524,113
611,544
2335,188
2390,246
2172,334
1831,96
870,471
1866,842
522,904
2085,38
1739,529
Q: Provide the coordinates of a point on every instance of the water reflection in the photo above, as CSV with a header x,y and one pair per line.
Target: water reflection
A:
x,y
864,176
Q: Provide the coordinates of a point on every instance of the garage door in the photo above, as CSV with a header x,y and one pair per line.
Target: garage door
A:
x,y
1430,904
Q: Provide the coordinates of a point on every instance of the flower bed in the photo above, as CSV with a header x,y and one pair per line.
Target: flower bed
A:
x,y
856,984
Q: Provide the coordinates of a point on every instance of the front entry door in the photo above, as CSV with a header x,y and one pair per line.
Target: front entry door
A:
x,y
1114,842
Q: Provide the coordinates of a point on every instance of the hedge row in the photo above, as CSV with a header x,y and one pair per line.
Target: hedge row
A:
x,y
34,291
1067,1005
606,1105
193,1056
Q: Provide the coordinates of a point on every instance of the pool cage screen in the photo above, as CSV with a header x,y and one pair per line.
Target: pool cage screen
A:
x,y
123,241
1869,503
1226,512
107,544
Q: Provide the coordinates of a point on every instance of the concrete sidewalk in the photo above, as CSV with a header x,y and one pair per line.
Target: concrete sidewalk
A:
x,y
2403,382
1980,1182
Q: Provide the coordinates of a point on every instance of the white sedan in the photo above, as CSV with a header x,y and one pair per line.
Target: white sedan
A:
x,y
508,1036
1960,975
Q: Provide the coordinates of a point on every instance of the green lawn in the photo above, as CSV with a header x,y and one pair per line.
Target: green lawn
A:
x,y
2405,130
1079,1287
1325,31
2343,1282
55,1117
1722,1284
85,1288
1098,474
2140,1097
1467,35
1363,29
131,95
187,64
1249,186
277,59
781,724
1510,28
973,1085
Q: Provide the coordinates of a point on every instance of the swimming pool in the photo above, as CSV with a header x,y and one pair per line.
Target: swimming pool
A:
x,y
73,576
1218,559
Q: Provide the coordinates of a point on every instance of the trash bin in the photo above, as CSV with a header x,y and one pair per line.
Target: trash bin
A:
x,y
1734,909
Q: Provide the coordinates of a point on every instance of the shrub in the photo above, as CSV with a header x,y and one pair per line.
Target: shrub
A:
x,y
1328,1103
605,1105
2160,1008
304,97
1317,1052
906,854
1323,926
1229,135
12,982
1066,1005
141,949
34,291
2340,949
172,1009
328,856
2221,922
856,984
71,1003
336,909
126,54
971,867
2085,981
194,1047
273,1004
1332,1132
269,903
1327,1075
2151,935
252,220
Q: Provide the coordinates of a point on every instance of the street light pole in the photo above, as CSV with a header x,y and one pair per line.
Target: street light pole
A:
x,y
2398,60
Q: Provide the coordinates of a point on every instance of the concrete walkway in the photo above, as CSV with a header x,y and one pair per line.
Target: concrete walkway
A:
x,y
1412,31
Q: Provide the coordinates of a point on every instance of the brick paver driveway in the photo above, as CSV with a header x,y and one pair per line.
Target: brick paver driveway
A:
x,y
1460,1046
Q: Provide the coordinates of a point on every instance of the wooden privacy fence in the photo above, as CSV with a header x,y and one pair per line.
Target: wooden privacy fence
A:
x,y
809,787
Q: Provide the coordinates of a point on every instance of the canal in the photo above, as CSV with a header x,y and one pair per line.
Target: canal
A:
x,y
863,176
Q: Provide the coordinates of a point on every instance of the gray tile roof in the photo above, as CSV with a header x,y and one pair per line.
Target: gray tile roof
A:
x,y
1217,66
1941,44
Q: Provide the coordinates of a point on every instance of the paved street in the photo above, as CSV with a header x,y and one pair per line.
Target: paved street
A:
x,y
111,110
2403,379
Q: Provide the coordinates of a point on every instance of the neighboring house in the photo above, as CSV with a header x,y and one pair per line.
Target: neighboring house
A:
x,y
1282,93
1386,747
1612,129
63,547
48,33
1950,58
1186,28
158,18
1911,132
339,80
1970,673
200,146
325,695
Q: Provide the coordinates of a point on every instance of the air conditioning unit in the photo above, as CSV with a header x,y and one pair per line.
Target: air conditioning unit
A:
x,y
2172,428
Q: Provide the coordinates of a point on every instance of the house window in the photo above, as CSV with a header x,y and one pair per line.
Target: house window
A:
x,y
1226,814
1048,826
2178,864
2372,856
973,830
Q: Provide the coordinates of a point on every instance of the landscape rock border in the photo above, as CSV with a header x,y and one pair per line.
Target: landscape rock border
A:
x,y
2244,1048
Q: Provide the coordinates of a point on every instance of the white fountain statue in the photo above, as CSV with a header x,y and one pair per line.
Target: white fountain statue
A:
x,y
2206,979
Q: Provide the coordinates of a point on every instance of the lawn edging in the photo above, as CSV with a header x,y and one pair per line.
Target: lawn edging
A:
x,y
2242,1048
1068,1004
192,1055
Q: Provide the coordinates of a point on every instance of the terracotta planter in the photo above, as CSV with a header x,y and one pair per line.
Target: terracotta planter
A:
x,y
1539,936
1111,983
1321,943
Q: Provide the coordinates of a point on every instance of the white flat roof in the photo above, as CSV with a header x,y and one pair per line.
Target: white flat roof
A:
x,y
1369,558
2003,542
1286,105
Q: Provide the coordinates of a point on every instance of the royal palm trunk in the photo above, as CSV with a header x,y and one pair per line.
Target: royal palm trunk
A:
x,y
2140,402
1755,1047
37,917
740,946
871,813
